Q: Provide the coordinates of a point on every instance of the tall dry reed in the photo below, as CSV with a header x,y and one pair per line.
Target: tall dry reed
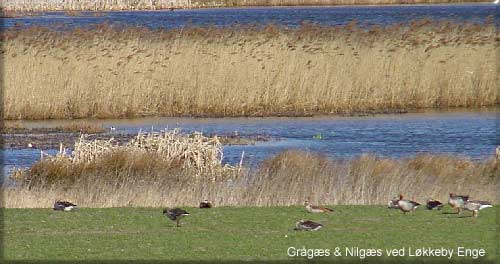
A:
x,y
287,179
109,71
105,5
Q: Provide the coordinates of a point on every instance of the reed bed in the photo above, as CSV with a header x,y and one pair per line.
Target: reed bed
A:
x,y
146,153
106,5
286,179
114,72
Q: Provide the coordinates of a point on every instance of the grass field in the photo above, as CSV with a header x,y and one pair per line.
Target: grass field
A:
x,y
232,233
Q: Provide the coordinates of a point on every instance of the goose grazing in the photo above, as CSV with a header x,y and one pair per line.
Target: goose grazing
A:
x,y
175,214
434,204
205,204
393,204
407,205
63,206
475,206
457,201
307,225
316,209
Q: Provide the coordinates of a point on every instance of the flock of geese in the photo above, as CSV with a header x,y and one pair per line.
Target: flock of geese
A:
x,y
458,202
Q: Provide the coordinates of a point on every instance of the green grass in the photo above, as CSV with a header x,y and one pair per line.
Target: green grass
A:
x,y
229,233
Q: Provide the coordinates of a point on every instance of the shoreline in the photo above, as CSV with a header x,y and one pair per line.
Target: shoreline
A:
x,y
407,113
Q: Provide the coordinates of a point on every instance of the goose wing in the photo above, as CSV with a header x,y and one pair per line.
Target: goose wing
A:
x,y
67,204
179,211
311,225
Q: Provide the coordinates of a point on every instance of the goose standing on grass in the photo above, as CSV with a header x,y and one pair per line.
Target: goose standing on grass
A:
x,y
316,209
457,201
205,204
307,225
475,206
175,214
434,204
64,206
407,205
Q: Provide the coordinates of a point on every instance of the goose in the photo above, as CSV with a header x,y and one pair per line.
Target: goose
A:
x,y
457,201
307,225
205,204
63,206
393,204
407,205
475,206
175,214
316,209
434,204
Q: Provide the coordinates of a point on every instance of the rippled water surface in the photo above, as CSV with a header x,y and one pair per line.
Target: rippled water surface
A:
x,y
288,16
472,134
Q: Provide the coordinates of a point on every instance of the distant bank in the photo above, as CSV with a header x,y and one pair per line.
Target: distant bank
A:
x,y
105,5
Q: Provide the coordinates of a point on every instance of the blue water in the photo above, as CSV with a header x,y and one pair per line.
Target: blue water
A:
x,y
287,16
470,134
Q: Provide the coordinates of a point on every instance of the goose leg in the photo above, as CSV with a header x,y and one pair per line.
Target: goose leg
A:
x,y
178,223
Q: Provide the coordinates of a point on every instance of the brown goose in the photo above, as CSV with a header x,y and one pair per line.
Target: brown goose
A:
x,y
307,225
434,204
475,206
457,201
316,209
175,214
407,205
66,206
205,204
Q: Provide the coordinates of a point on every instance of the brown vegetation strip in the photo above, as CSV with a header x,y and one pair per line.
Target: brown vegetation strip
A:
x,y
128,179
111,72
106,5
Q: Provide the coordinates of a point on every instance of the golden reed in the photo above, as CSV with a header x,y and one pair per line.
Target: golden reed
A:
x,y
112,72
128,179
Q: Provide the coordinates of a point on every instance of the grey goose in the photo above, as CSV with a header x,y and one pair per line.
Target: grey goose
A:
x,y
175,214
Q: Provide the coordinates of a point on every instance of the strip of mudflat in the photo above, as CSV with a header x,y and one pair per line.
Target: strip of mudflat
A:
x,y
105,5
51,138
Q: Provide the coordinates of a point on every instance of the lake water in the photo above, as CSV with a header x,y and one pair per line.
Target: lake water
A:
x,y
472,134
287,16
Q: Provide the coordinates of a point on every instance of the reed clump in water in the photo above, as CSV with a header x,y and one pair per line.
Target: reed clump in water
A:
x,y
153,157
113,72
120,179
